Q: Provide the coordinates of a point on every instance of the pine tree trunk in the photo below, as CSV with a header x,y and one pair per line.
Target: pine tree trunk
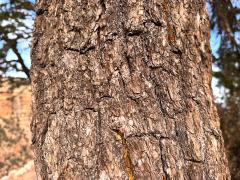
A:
x,y
121,90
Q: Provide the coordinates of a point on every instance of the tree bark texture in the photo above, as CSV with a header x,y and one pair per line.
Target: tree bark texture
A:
x,y
121,90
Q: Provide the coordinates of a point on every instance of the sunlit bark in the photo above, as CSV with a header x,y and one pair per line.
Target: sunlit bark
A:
x,y
121,90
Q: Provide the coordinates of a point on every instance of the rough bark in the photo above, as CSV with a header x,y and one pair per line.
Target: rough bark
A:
x,y
121,90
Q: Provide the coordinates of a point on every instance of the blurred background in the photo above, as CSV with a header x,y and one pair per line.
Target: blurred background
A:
x,y
16,22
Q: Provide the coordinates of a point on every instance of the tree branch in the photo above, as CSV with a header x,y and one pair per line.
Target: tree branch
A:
x,y
20,60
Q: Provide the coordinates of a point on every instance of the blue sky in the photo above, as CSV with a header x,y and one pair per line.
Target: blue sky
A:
x,y
23,45
218,92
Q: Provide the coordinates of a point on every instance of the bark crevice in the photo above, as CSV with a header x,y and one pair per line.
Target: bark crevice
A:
x,y
83,50
126,154
163,160
99,142
157,135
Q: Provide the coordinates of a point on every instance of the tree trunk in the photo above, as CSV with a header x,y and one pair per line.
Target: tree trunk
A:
x,y
121,90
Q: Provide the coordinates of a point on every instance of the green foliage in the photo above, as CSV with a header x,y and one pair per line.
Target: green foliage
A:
x,y
229,74
225,21
14,19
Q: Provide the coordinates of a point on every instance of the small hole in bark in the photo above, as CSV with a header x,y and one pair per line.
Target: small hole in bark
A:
x,y
136,32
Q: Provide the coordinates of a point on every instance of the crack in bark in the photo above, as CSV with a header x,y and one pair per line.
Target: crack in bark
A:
x,y
167,177
176,50
99,142
44,131
90,109
103,5
154,134
126,154
106,97
111,37
41,11
159,97
128,60
83,50
194,160
156,23
135,32
134,98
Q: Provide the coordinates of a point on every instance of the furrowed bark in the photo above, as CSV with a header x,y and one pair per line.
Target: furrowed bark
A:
x,y
121,90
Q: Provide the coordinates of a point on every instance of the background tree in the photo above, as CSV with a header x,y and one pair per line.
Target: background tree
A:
x,y
15,28
122,90
225,21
